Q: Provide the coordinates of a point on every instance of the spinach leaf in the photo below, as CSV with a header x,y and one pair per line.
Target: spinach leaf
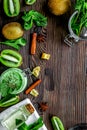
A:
x,y
79,4
33,17
27,16
28,25
19,121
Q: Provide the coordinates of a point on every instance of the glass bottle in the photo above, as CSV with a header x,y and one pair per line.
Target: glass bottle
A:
x,y
21,115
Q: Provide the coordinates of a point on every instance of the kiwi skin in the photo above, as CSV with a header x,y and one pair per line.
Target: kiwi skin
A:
x,y
12,30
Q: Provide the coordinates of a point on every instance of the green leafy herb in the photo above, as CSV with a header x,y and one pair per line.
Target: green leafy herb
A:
x,y
15,43
28,25
33,17
18,121
80,19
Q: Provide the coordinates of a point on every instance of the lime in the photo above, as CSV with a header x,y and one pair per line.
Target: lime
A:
x,y
30,2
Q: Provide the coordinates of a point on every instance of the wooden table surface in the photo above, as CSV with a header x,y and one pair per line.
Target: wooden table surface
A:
x,y
64,76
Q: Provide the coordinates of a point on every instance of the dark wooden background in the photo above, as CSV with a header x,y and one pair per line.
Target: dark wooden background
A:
x,y
64,76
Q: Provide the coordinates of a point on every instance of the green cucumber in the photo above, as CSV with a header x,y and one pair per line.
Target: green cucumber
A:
x,y
11,7
57,123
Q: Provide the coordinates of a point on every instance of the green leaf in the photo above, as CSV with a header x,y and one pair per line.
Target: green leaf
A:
x,y
79,4
28,25
23,127
27,17
85,24
18,121
38,15
33,17
31,12
80,20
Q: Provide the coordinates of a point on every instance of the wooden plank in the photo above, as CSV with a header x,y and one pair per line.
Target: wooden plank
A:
x,y
64,76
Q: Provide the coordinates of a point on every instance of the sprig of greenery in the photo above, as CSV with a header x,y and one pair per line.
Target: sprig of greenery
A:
x,y
33,17
80,20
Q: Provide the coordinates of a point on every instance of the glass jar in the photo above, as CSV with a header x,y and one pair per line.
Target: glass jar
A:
x,y
15,119
15,79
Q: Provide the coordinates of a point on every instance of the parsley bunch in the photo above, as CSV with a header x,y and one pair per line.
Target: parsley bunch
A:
x,y
33,17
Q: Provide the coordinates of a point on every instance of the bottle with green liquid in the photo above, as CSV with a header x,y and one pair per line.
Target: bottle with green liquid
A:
x,y
13,121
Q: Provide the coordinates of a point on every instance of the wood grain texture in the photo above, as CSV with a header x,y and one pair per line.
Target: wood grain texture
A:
x,y
64,76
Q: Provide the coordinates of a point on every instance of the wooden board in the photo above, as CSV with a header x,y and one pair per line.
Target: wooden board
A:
x,y
64,76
